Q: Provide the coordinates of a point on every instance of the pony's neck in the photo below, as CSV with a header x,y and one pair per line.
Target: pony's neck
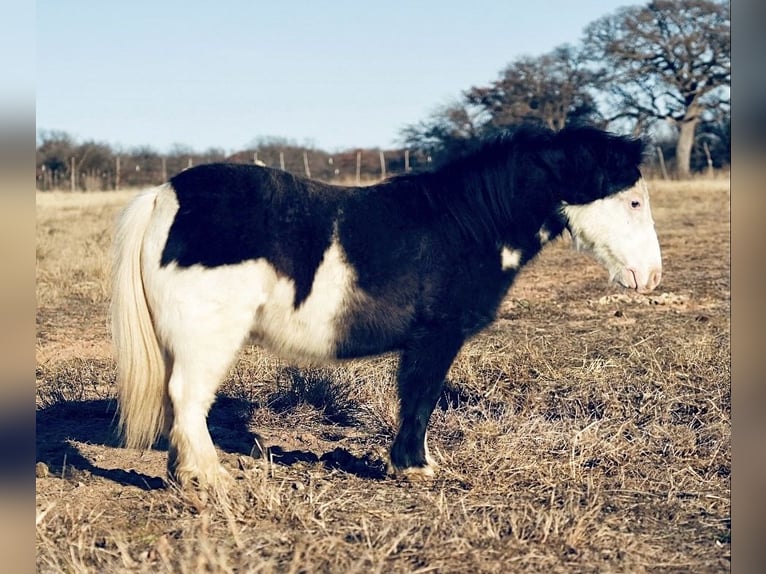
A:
x,y
500,200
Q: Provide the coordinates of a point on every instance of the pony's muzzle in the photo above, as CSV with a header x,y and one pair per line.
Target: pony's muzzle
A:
x,y
643,283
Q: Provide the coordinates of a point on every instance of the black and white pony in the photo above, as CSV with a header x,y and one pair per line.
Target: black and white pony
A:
x,y
226,253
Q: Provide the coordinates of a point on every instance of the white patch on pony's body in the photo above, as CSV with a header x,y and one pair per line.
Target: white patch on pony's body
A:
x,y
619,231
510,258
308,332
543,235
232,302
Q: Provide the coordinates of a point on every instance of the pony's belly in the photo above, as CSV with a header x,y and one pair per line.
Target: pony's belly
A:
x,y
311,329
302,334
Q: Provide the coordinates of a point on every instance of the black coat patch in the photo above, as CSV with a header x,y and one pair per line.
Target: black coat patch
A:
x,y
232,213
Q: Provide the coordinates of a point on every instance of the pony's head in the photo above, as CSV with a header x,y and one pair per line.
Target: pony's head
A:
x,y
619,231
606,204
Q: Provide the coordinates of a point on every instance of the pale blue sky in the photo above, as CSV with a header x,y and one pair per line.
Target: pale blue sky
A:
x,y
338,74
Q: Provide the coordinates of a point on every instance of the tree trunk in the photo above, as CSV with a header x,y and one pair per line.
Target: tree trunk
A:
x,y
687,127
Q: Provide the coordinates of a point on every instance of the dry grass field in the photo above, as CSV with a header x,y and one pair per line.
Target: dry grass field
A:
x,y
588,430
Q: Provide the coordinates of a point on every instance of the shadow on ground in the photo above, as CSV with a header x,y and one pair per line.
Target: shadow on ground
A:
x,y
64,426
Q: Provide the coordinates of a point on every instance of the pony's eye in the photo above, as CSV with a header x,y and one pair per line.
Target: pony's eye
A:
x,y
635,204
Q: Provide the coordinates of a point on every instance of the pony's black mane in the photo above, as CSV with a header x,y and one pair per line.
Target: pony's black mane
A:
x,y
481,188
513,179
493,142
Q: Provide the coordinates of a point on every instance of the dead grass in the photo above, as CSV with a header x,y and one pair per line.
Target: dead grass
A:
x,y
587,430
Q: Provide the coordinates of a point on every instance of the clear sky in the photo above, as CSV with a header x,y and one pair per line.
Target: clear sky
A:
x,y
337,74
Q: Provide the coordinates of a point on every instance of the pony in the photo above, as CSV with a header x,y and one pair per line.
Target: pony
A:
x,y
225,253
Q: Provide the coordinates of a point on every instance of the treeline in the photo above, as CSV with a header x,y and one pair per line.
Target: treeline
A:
x,y
63,163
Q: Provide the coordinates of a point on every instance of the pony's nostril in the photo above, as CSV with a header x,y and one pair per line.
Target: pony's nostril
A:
x,y
643,283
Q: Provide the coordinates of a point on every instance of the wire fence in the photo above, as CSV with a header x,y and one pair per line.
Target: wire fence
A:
x,y
118,172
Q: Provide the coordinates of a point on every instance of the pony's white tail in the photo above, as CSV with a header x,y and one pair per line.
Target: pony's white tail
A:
x,y
141,368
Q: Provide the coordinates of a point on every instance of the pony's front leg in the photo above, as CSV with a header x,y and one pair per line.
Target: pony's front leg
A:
x,y
422,369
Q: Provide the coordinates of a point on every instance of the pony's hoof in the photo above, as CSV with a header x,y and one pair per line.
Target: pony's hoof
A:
x,y
413,473
418,473
187,479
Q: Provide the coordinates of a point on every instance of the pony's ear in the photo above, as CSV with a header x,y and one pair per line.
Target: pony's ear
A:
x,y
596,163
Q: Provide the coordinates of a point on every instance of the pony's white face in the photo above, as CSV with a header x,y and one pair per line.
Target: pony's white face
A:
x,y
619,231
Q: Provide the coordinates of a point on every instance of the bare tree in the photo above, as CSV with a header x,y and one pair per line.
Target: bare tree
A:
x,y
55,150
551,89
94,165
668,60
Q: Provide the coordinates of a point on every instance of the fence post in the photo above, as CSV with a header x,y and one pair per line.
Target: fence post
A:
x,y
382,165
282,160
359,167
72,176
117,172
306,163
406,160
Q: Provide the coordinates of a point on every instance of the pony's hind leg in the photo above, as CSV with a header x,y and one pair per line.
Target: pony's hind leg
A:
x,y
422,369
202,346
192,458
